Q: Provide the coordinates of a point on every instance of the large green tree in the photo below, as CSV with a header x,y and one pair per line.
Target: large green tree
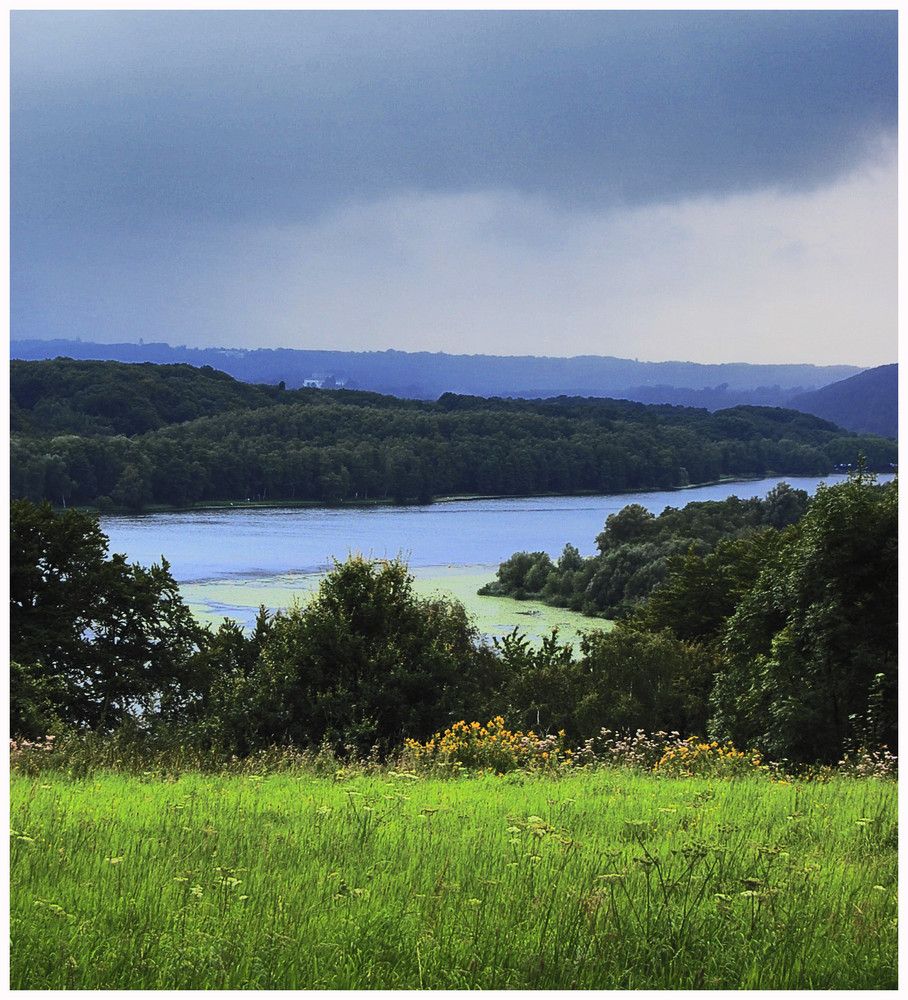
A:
x,y
366,662
636,680
703,591
95,640
812,648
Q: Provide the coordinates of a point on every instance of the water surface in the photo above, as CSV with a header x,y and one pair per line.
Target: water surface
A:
x,y
255,542
228,562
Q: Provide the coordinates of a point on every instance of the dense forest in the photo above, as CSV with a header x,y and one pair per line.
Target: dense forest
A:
x,y
637,551
783,639
114,435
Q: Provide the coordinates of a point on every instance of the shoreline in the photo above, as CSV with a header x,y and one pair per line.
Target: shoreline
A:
x,y
355,504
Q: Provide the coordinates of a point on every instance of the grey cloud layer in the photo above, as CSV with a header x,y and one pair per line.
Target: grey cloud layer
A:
x,y
546,182
134,118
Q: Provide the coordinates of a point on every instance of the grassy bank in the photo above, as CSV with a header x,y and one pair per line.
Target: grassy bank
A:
x,y
599,879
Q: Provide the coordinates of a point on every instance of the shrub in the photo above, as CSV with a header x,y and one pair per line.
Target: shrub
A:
x,y
471,746
670,755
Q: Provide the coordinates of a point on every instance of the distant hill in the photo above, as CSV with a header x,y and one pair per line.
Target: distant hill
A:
x,y
126,436
867,403
423,375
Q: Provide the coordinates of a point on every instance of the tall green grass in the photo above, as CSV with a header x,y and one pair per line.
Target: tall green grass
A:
x,y
601,879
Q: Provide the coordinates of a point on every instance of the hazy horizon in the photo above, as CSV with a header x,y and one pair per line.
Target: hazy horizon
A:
x,y
706,187
455,354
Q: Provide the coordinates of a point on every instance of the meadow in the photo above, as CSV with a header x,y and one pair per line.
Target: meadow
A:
x,y
278,874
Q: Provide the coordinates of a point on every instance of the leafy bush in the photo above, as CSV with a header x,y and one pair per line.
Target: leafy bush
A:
x,y
640,752
523,575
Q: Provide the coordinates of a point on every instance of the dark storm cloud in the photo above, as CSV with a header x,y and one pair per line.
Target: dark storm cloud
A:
x,y
128,119
710,186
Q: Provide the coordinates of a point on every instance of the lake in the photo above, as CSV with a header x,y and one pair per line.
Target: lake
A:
x,y
228,562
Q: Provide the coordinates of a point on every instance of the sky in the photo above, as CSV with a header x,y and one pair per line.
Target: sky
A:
x,y
711,187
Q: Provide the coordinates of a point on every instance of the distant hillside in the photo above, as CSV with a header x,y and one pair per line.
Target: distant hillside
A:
x,y
867,403
427,376
126,436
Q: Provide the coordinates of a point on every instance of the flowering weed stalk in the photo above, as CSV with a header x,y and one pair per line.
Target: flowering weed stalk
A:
x,y
698,757
28,756
863,763
640,752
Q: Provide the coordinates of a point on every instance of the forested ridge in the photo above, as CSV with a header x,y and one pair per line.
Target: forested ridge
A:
x,y
120,435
